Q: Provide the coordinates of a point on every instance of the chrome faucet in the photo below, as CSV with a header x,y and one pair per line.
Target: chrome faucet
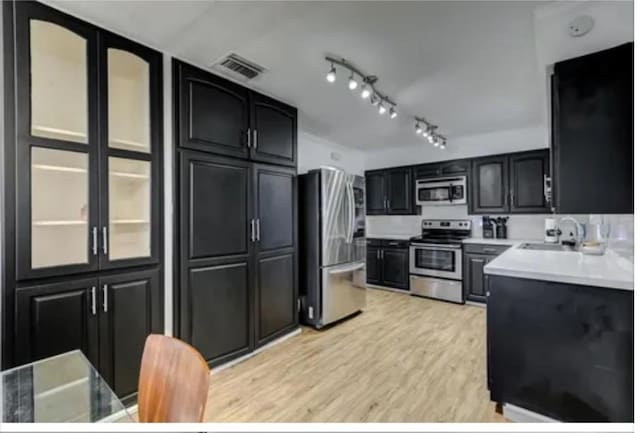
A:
x,y
579,230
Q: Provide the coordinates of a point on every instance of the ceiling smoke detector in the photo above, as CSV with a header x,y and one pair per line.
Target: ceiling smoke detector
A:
x,y
238,67
580,26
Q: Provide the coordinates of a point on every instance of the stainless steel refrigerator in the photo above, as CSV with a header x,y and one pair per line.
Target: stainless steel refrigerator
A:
x,y
332,245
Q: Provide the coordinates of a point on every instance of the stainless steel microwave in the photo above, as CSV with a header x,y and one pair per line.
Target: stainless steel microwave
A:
x,y
441,191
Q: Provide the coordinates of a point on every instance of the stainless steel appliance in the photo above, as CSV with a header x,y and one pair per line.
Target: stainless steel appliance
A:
x,y
333,245
436,259
441,191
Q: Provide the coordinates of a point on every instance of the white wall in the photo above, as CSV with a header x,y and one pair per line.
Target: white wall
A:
x,y
314,152
460,147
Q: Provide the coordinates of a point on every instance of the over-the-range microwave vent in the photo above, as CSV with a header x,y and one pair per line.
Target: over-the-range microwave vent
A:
x,y
238,67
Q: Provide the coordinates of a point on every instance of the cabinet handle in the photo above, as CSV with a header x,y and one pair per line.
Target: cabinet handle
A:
x,y
94,241
105,302
258,229
382,254
249,138
105,236
255,141
93,300
253,230
547,188
489,250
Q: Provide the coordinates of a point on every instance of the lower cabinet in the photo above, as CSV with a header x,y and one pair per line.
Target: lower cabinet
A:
x,y
108,318
388,263
475,256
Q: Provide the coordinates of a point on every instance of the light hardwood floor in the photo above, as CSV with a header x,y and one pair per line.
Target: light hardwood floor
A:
x,y
404,359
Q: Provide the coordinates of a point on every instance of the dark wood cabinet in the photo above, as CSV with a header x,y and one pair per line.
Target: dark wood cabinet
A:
x,y
275,251
238,249
578,338
213,113
529,180
390,192
54,318
85,207
130,308
376,190
489,185
274,131
458,167
475,257
395,268
221,117
388,263
592,132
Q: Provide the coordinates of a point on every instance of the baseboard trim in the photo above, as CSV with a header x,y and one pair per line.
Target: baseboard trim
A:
x,y
520,414
255,352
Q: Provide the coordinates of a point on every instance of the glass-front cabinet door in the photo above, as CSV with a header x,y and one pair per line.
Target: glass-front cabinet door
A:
x,y
130,141
88,107
56,143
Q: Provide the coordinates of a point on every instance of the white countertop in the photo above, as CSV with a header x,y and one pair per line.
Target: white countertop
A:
x,y
404,237
494,241
609,270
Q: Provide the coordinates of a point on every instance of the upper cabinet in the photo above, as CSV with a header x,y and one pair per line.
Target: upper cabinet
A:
x,y
224,118
87,167
390,192
510,183
592,132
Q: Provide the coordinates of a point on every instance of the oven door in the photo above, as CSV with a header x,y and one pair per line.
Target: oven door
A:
x,y
436,261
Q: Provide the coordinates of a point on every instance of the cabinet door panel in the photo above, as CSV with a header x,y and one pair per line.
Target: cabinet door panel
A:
x,y
490,185
373,265
213,112
400,192
215,193
276,304
473,280
220,313
130,310
275,126
276,199
376,186
527,177
56,318
395,268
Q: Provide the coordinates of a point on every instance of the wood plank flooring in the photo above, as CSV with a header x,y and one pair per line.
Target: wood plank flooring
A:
x,y
404,359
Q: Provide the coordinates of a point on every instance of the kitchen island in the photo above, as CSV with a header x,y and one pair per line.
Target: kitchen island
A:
x,y
560,334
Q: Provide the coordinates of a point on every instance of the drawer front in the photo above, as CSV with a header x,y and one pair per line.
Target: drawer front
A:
x,y
486,249
394,243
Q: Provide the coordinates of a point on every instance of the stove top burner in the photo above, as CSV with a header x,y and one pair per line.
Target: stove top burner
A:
x,y
450,232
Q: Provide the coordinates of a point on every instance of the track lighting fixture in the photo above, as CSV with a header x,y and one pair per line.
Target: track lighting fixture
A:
x,y
331,75
353,84
427,130
367,86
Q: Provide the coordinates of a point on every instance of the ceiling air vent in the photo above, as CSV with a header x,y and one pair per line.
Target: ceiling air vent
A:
x,y
238,67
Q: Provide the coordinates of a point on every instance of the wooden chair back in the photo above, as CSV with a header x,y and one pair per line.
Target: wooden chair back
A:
x,y
174,381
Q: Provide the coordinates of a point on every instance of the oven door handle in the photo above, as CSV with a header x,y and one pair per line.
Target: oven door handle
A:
x,y
436,247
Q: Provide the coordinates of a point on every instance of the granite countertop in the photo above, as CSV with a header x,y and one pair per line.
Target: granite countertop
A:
x,y
609,270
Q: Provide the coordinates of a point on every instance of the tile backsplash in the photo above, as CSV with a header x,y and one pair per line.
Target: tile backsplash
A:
x,y
525,227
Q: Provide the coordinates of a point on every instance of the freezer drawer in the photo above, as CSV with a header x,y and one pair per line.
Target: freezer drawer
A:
x,y
343,291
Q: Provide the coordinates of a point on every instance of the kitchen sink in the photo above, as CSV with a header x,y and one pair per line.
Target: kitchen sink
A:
x,y
547,247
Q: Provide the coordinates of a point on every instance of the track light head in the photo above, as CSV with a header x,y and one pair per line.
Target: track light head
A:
x,y
418,129
393,113
381,108
366,91
353,84
331,75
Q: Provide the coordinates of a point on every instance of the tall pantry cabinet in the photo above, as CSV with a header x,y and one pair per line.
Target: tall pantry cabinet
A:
x,y
236,216
82,241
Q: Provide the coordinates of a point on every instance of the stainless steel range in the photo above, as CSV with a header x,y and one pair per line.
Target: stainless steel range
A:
x,y
436,259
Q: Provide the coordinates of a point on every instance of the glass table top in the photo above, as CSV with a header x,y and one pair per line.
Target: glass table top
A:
x,y
63,388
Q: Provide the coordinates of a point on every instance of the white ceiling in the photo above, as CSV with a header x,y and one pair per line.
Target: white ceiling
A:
x,y
470,67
